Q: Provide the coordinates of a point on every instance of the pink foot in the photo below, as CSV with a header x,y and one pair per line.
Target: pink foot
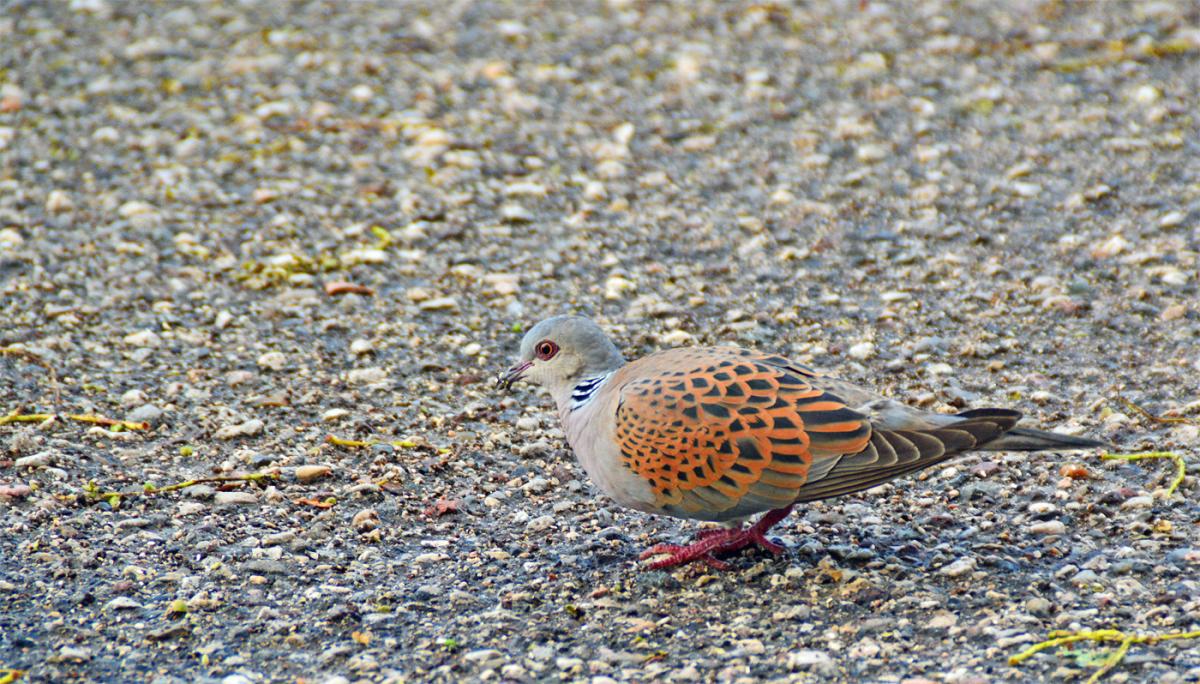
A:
x,y
709,543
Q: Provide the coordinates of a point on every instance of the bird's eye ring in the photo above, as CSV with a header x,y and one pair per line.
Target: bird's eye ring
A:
x,y
546,350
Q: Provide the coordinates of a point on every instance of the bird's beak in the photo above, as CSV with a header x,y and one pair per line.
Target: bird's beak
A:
x,y
506,380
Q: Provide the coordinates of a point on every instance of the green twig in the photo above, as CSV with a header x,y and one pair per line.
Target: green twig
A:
x,y
114,498
1180,466
16,417
1063,638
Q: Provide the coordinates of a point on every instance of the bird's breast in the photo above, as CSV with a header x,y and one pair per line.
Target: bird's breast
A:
x,y
590,433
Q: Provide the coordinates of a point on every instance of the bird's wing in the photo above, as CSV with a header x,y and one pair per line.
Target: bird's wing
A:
x,y
721,433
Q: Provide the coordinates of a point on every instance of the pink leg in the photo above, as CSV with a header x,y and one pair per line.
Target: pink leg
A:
x,y
712,542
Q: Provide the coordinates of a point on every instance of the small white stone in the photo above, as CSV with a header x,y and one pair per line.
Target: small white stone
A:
x,y
819,661
472,349
122,603
361,93
1049,527
234,498
870,153
38,460
610,169
364,256
483,656
1174,277
676,338
1111,247
223,319
944,620
272,360
334,414
1042,508
515,213
861,351
525,188
58,202
1025,189
1172,219
527,424
594,191
136,208
1146,94
134,397
616,287
503,283
143,338
439,304
9,237
189,508
366,376
958,568
249,428
1134,502
360,346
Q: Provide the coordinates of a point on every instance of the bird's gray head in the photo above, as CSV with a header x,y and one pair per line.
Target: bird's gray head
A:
x,y
559,352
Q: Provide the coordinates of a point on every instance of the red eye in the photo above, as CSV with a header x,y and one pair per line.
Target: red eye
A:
x,y
546,349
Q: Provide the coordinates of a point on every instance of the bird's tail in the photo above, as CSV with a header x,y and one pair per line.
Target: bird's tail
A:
x,y
1028,439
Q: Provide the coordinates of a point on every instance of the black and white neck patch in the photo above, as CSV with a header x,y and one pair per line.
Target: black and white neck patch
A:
x,y
586,389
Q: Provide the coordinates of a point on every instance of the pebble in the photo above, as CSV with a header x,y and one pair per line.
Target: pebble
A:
x,y
122,603
309,473
272,361
1134,502
535,449
189,508
365,520
200,491
133,397
143,338
617,286
335,414
817,661
540,523
74,653
1048,527
861,351
360,347
503,283
1172,219
483,656
234,498
1042,508
249,428
958,568
515,213
439,304
15,491
567,663
942,620
1039,606
366,376
39,460
146,413
528,424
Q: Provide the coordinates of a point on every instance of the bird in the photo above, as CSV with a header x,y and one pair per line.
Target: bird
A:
x,y
723,433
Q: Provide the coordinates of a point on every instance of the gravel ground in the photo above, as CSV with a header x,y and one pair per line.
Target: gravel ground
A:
x,y
964,203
